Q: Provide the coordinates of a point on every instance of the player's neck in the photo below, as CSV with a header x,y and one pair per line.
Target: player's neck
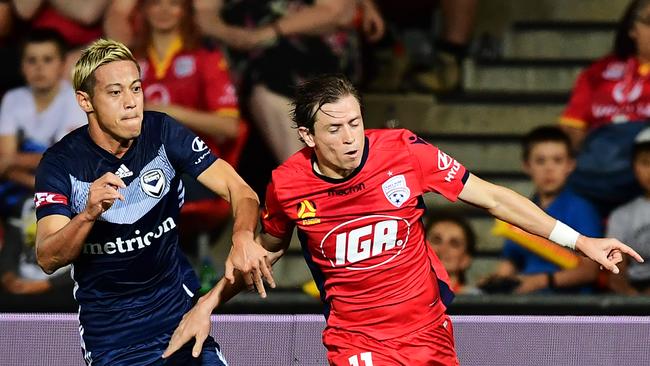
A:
x,y
331,172
116,147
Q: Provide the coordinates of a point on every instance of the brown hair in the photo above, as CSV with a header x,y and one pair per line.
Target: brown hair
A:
x,y
189,30
312,94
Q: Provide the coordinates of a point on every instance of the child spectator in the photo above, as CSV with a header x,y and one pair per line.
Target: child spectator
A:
x,y
548,160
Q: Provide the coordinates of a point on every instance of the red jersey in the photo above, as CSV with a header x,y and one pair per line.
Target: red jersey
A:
x,y
196,79
609,91
74,33
362,235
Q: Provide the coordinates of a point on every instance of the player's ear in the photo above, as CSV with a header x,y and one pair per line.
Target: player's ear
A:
x,y
306,136
84,101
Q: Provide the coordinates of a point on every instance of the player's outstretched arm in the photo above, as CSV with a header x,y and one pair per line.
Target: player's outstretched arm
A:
x,y
246,255
59,240
512,207
196,323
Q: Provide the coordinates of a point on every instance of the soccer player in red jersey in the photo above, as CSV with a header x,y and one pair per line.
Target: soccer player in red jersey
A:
x,y
355,198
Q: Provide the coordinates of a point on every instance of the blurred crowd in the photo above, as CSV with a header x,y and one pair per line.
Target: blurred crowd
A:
x,y
227,70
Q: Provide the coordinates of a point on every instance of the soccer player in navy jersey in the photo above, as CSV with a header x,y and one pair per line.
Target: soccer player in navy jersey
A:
x,y
108,199
355,198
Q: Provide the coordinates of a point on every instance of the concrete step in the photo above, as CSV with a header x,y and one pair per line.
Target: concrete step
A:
x,y
422,114
483,155
575,10
522,75
559,40
521,185
480,268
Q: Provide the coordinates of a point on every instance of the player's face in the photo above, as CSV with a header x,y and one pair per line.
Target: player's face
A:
x,y
642,169
549,166
640,32
448,241
42,66
117,101
164,15
338,137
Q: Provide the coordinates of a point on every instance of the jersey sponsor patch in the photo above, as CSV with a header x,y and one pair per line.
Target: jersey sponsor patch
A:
x,y
366,242
198,145
48,198
444,160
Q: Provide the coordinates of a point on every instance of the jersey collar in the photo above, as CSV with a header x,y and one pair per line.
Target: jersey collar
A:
x,y
107,155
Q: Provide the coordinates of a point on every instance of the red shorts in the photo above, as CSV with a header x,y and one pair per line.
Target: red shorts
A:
x,y
432,345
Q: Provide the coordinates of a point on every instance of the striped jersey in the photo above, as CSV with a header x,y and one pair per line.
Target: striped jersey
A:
x,y
133,283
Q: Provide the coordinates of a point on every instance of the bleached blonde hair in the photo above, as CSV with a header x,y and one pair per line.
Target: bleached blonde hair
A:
x,y
99,53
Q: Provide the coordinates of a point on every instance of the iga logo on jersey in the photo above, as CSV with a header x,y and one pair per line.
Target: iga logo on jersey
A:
x,y
48,198
366,242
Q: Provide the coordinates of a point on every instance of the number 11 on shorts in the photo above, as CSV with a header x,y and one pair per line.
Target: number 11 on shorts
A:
x,y
366,359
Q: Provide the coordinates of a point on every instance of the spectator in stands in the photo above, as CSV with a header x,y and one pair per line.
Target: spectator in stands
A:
x,y
6,18
32,118
189,81
631,222
440,73
281,43
78,21
530,264
10,61
454,241
180,76
609,105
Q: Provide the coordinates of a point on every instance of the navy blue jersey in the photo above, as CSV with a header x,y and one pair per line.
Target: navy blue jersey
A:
x,y
132,281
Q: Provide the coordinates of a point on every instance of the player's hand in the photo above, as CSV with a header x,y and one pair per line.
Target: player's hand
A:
x,y
19,286
102,194
607,252
252,260
195,324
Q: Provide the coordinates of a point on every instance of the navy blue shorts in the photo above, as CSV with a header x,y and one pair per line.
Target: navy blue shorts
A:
x,y
150,354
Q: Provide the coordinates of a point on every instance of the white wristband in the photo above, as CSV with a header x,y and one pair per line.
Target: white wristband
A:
x,y
564,235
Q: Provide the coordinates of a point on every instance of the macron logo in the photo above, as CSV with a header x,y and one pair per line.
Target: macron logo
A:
x,y
123,172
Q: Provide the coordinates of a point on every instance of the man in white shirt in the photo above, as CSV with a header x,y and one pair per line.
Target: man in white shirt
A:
x,y
32,118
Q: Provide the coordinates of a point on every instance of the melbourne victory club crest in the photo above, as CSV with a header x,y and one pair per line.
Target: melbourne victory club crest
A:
x,y
153,183
396,191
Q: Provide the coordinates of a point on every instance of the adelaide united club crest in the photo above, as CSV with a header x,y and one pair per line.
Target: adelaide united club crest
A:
x,y
396,190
